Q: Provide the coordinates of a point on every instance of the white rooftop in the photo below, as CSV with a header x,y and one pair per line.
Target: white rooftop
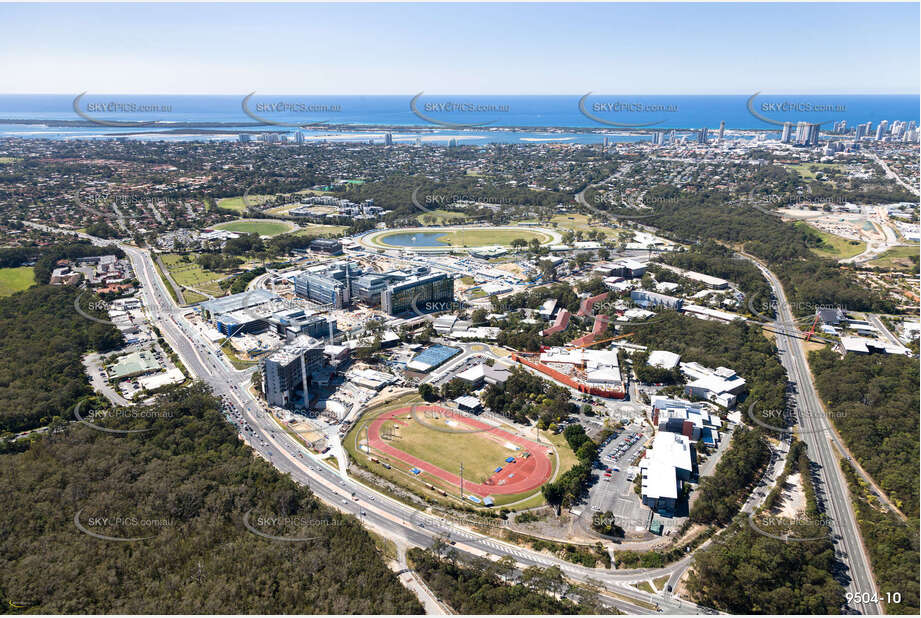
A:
x,y
671,448
659,480
547,308
663,359
864,345
467,401
725,316
604,375
576,356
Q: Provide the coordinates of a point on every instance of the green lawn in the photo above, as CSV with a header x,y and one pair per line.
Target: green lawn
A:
x,y
440,217
236,203
309,229
568,459
13,280
236,361
645,587
577,222
280,210
807,174
4,160
481,237
896,258
251,226
480,455
193,298
836,247
193,275
166,283
479,451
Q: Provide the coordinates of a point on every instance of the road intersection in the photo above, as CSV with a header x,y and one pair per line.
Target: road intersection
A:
x,y
392,519
399,522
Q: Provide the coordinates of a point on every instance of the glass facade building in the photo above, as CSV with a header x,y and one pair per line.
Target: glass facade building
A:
x,y
418,295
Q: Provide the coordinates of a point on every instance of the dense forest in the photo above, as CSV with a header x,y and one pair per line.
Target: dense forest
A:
x,y
44,338
526,396
744,572
716,260
487,587
187,485
721,496
571,484
873,402
739,346
102,230
892,545
808,280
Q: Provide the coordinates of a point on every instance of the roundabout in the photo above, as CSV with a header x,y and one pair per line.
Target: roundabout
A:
x,y
457,238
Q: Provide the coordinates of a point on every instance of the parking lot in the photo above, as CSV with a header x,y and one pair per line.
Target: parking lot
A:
x,y
614,489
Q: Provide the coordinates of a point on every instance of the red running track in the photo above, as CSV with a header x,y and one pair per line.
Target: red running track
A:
x,y
528,473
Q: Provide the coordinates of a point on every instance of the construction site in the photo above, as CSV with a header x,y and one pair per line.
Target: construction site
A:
x,y
593,372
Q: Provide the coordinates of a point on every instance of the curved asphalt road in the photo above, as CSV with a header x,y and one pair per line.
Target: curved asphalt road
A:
x,y
390,518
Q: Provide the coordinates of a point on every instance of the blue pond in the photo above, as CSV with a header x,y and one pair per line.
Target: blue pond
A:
x,y
415,239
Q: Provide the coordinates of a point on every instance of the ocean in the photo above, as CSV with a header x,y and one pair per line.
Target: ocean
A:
x,y
427,118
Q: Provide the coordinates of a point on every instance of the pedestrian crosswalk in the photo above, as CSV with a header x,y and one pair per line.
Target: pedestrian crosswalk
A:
x,y
519,553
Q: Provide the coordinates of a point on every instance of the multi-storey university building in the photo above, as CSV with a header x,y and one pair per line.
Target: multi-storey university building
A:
x,y
425,294
289,369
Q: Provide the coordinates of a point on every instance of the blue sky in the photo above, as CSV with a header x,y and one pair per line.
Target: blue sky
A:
x,y
460,48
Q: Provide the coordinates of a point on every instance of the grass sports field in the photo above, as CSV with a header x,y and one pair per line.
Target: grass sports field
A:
x,y
478,454
310,229
255,200
13,280
254,226
421,446
804,169
236,203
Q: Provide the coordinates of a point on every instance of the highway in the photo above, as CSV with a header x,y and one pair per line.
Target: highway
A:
x,y
891,174
878,324
390,518
406,525
816,432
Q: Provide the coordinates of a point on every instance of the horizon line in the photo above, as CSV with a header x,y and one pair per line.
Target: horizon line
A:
x,y
469,94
